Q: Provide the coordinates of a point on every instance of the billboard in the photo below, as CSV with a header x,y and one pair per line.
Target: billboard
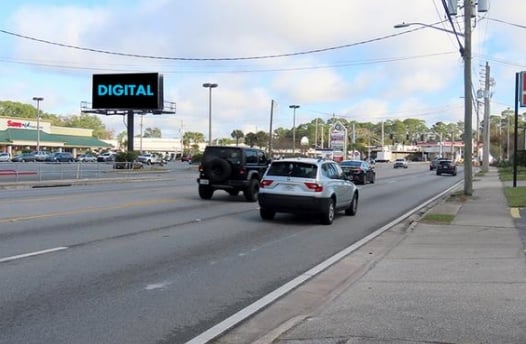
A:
x,y
140,91
522,89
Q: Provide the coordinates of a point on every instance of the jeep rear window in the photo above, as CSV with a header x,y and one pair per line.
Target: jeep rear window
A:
x,y
292,169
230,154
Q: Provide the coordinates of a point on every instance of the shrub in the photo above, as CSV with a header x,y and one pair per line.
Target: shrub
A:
x,y
126,156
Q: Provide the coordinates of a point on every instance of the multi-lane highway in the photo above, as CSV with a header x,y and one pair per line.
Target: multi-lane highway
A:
x,y
150,262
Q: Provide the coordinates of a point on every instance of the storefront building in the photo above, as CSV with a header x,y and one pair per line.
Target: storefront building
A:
x,y
20,134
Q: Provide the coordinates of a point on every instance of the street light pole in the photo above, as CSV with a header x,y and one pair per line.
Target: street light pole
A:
x,y
38,100
209,86
294,107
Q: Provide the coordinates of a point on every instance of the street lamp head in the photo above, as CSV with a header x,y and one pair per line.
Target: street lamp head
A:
x,y
404,25
400,26
38,99
294,106
209,85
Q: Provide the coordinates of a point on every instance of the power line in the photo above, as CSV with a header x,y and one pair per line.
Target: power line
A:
x,y
505,22
285,69
261,57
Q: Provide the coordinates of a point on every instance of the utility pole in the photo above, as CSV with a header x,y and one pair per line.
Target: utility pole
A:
x,y
468,134
270,129
316,134
487,124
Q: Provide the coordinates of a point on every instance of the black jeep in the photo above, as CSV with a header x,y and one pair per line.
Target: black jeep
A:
x,y
232,169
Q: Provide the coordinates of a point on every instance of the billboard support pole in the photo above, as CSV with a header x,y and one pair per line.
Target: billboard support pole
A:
x,y
515,140
131,125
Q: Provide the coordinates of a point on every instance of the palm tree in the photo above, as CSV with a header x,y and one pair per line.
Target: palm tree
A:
x,y
237,134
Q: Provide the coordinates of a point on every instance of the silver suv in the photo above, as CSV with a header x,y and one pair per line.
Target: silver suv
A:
x,y
304,185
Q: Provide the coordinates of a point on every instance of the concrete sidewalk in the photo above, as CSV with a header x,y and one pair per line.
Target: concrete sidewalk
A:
x,y
463,282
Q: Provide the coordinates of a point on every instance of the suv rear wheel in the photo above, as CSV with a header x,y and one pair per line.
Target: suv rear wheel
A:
x,y
328,214
353,207
266,214
205,192
252,190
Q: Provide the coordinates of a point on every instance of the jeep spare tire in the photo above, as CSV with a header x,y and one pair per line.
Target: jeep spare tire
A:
x,y
218,170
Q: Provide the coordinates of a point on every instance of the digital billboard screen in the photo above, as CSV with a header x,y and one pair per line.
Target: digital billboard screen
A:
x,y
141,91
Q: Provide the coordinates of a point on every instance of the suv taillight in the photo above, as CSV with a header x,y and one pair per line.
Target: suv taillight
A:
x,y
265,182
314,187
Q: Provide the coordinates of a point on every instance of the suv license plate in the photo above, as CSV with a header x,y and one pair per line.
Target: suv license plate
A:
x,y
203,181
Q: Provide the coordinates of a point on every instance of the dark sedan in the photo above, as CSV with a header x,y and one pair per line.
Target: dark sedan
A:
x,y
24,157
61,157
360,171
446,167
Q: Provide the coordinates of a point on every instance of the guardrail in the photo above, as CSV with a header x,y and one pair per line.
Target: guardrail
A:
x,y
43,171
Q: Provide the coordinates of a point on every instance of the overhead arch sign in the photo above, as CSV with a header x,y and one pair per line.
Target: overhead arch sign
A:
x,y
142,91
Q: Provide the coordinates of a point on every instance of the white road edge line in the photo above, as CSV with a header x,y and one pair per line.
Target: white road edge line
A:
x,y
251,309
31,254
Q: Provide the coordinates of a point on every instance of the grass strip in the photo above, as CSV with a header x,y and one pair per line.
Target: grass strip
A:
x,y
516,196
439,218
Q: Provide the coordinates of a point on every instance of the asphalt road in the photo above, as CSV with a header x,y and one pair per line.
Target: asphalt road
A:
x,y
150,262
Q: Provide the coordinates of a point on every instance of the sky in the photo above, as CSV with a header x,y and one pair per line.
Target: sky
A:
x,y
333,58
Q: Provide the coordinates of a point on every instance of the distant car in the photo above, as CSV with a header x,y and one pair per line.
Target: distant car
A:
x,y
24,157
401,162
86,157
446,167
62,157
186,158
359,171
434,163
151,159
107,156
5,157
305,185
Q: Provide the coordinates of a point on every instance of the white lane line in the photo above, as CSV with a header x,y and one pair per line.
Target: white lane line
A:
x,y
266,300
31,254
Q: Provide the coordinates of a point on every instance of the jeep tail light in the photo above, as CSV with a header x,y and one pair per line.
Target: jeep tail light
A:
x,y
242,170
314,187
265,182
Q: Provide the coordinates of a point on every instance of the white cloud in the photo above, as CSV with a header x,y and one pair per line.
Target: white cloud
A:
x,y
379,74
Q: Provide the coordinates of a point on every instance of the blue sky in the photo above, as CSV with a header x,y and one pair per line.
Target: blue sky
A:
x,y
363,68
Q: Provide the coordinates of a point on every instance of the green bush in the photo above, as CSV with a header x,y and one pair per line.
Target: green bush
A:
x,y
197,157
126,156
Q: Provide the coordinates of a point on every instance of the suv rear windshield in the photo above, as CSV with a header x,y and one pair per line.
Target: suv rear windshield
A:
x,y
231,154
292,169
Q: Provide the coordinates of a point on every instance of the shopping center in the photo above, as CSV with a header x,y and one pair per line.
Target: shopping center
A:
x,y
20,134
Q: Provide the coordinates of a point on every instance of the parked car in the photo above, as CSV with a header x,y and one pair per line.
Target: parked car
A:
x,y
86,157
359,171
306,185
24,157
186,158
400,162
61,157
150,159
40,155
434,163
107,156
233,169
5,157
447,167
